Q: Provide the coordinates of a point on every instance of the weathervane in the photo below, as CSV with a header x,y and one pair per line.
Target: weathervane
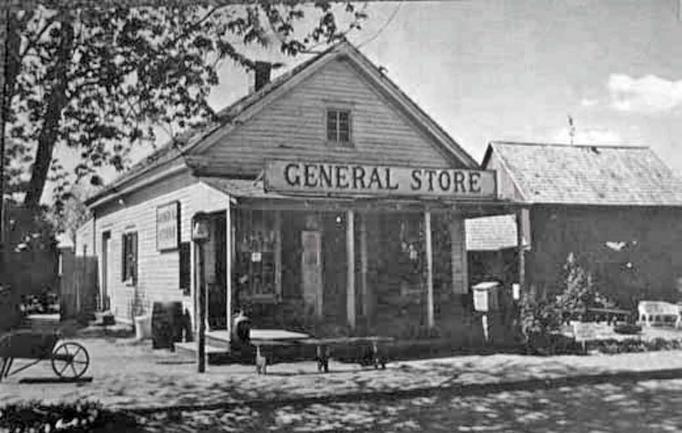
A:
x,y
571,127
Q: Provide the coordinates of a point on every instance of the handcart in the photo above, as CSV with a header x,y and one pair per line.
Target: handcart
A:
x,y
69,359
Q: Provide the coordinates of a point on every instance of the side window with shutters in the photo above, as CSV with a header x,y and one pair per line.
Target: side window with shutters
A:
x,y
129,258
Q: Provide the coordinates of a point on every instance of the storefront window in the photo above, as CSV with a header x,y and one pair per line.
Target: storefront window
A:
x,y
255,267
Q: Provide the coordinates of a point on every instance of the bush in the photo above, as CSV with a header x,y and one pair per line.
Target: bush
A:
x,y
65,417
540,323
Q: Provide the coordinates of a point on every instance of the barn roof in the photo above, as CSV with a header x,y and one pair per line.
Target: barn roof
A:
x,y
587,174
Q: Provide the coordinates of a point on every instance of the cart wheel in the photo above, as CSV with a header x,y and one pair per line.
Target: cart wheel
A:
x,y
70,360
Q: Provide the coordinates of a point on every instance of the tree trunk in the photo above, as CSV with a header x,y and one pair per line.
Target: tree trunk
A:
x,y
56,101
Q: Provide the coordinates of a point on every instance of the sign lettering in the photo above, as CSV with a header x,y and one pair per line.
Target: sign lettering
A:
x,y
362,179
167,226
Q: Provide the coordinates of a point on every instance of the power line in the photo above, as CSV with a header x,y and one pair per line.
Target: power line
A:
x,y
386,24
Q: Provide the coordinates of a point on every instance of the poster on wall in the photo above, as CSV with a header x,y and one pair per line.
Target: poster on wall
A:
x,y
168,226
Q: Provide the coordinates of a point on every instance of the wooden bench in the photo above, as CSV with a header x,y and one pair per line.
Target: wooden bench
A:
x,y
323,349
656,312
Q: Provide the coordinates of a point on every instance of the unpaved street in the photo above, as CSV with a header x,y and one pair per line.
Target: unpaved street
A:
x,y
648,406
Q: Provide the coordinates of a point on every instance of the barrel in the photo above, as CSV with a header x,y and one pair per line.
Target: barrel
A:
x,y
167,322
241,328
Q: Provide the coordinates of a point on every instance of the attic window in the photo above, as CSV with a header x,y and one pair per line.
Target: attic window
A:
x,y
338,126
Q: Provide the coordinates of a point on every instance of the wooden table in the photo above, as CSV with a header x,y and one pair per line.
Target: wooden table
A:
x,y
323,347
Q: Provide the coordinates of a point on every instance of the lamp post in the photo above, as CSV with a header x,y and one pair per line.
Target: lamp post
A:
x,y
201,234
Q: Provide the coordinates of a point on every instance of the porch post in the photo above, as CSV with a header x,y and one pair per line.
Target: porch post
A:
x,y
278,254
228,268
429,269
364,293
520,247
350,260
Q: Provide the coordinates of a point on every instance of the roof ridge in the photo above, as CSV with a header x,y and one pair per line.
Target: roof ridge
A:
x,y
531,143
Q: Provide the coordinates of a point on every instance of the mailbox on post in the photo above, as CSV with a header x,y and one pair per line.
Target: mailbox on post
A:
x,y
486,296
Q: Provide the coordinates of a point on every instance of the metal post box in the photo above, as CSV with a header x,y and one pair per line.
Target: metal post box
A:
x,y
486,296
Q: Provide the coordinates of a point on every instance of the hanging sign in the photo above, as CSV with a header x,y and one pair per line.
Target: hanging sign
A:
x,y
362,179
168,226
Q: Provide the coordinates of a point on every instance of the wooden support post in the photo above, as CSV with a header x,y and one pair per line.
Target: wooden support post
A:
x,y
364,293
350,260
201,321
458,256
228,270
520,248
278,255
429,269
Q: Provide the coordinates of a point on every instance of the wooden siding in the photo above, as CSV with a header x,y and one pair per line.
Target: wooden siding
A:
x,y
506,188
653,238
158,272
294,127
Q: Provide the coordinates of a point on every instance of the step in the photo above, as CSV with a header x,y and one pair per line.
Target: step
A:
x,y
217,355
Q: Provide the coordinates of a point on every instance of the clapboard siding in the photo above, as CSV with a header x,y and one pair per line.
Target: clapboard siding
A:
x,y
158,272
293,126
506,188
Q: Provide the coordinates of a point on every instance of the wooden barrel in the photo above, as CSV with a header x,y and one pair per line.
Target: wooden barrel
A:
x,y
166,324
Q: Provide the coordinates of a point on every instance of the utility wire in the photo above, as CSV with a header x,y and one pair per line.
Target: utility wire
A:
x,y
386,24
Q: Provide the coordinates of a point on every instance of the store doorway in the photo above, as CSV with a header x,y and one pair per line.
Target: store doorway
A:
x,y
334,267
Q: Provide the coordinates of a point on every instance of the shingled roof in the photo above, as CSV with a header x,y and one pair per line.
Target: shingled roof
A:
x,y
587,174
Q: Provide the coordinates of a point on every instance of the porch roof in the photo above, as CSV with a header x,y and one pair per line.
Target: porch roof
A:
x,y
253,191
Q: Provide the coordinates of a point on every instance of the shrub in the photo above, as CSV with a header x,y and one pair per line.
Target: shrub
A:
x,y
540,321
83,416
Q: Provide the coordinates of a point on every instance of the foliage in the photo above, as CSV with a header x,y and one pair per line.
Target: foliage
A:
x,y
630,345
94,82
538,316
84,416
10,314
579,292
31,249
70,213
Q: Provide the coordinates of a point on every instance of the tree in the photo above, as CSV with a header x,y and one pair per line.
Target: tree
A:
x,y
70,213
96,81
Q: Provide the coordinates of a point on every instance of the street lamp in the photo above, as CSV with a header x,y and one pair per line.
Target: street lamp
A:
x,y
200,235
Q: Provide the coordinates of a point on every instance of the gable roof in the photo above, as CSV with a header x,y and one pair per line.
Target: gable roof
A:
x,y
587,174
185,146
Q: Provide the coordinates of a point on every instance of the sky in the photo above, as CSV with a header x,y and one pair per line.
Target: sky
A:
x,y
516,69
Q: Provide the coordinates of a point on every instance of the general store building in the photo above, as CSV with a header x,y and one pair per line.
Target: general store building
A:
x,y
337,206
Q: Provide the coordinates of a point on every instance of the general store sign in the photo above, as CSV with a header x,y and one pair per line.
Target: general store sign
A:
x,y
362,179
168,226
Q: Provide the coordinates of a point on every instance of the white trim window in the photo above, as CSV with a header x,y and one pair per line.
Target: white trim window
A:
x,y
339,126
129,258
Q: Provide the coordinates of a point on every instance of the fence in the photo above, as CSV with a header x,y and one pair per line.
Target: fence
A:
x,y
78,285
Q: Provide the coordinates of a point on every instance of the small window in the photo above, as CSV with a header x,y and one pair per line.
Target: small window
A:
x,y
129,267
338,126
185,268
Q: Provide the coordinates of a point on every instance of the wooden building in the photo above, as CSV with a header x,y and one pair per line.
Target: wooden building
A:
x,y
618,209
337,207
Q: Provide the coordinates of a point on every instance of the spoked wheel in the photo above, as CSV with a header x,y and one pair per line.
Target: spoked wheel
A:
x,y
70,360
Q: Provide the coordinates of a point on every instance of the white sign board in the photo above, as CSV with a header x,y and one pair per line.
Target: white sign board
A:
x,y
583,331
168,226
363,179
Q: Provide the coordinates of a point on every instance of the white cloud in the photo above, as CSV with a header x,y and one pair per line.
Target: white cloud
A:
x,y
588,136
587,102
648,94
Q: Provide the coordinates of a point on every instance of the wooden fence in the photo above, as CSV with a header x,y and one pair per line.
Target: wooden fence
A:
x,y
78,284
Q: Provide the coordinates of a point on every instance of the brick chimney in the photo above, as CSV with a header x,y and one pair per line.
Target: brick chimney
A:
x,y
262,70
